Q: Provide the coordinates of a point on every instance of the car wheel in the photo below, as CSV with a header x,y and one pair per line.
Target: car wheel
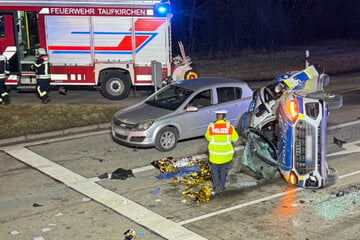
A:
x,y
115,86
333,101
243,127
332,176
166,139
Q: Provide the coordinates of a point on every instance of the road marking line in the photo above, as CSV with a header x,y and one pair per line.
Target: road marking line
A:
x,y
225,210
343,125
116,202
246,204
350,79
348,148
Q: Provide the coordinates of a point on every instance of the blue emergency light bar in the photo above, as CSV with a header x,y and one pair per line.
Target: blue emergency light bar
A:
x,y
162,9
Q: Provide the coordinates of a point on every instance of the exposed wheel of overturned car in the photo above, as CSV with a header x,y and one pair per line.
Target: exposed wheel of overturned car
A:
x,y
243,126
166,139
333,101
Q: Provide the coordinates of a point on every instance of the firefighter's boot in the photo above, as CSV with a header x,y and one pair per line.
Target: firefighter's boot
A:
x,y
6,99
46,99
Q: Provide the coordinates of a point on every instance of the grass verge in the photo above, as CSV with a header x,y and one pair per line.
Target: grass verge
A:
x,y
32,119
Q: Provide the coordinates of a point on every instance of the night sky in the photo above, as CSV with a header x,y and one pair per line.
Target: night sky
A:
x,y
214,26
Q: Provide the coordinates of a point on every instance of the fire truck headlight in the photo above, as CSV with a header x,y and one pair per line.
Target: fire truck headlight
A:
x,y
143,125
162,9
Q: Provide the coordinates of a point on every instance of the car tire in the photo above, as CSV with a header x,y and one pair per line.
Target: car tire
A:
x,y
241,129
115,86
166,139
333,101
332,176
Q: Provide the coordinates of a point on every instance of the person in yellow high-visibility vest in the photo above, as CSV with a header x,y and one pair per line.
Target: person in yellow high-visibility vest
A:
x,y
220,135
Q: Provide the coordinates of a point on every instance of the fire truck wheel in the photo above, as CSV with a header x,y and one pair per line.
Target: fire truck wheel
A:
x,y
333,101
166,139
115,86
191,74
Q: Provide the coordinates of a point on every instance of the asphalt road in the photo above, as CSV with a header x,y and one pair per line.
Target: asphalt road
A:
x,y
50,189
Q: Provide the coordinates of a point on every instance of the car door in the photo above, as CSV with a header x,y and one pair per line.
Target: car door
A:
x,y
195,123
229,98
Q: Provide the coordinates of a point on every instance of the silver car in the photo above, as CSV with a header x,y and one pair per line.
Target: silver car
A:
x,y
179,111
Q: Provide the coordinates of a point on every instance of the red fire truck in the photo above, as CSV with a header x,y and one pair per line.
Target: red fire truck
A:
x,y
105,43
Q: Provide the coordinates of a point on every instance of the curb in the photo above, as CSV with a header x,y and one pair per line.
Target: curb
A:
x,y
40,136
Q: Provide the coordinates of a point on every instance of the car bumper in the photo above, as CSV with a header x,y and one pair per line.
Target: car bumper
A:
x,y
131,138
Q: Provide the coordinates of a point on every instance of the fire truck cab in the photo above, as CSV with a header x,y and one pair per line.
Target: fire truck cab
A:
x,y
105,43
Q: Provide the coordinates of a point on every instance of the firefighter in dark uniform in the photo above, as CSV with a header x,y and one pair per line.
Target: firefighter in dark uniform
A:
x,y
42,75
4,96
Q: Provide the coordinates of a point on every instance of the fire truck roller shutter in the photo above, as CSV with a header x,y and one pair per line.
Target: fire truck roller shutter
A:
x,y
115,84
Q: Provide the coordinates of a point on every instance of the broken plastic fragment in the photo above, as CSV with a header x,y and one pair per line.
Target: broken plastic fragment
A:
x,y
103,176
247,184
46,229
86,199
38,238
14,232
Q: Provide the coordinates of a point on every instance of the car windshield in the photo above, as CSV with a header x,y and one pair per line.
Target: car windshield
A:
x,y
170,97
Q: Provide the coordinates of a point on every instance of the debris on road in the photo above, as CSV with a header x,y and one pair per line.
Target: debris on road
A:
x,y
38,238
37,205
156,191
86,199
58,214
190,171
119,173
130,234
339,142
46,229
14,232
340,203
248,184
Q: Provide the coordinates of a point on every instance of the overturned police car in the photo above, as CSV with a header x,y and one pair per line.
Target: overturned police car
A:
x,y
285,129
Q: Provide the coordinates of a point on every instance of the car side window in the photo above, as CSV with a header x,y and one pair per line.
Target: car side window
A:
x,y
202,99
227,94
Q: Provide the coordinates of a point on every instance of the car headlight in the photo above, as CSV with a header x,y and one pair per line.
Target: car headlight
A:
x,y
143,125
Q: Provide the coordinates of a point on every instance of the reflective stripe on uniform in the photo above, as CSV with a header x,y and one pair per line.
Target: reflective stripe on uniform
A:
x,y
41,77
41,93
221,153
220,143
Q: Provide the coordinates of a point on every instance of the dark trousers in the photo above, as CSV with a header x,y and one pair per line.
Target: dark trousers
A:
x,y
219,173
2,86
42,87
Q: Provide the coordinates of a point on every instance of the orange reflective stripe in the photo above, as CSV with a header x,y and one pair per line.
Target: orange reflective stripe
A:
x,y
221,129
